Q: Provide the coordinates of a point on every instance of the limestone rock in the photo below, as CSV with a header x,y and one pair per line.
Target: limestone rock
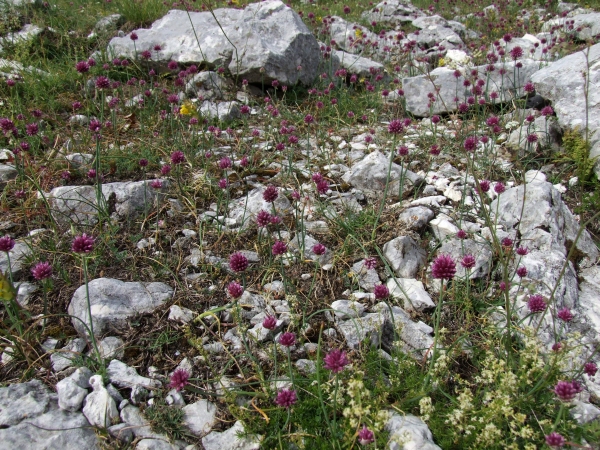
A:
x,y
404,256
114,302
266,35
100,409
502,78
78,204
124,376
230,440
200,417
30,419
370,175
408,426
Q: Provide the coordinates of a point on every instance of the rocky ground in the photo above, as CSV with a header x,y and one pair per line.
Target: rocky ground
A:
x,y
271,226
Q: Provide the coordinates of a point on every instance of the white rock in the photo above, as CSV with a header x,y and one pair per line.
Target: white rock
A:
x,y
111,347
200,417
230,440
63,358
443,228
404,256
70,395
346,309
410,430
179,314
100,409
412,292
124,376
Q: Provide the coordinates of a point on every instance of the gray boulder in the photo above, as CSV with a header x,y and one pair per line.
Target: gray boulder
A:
x,y
30,419
359,65
416,217
265,41
458,248
231,440
200,417
224,111
114,302
393,12
563,84
78,204
370,175
7,173
206,85
404,256
411,431
506,80
18,255
120,374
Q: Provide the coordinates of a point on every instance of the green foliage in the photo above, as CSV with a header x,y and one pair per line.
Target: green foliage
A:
x,y
165,419
578,151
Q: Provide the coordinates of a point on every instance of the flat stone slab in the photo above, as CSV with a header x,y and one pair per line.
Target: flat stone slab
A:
x,y
114,302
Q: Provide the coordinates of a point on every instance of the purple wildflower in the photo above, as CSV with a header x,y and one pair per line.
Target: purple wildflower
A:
x,y
336,360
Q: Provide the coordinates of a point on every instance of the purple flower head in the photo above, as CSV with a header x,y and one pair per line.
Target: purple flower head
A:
x,y
223,183
172,65
308,119
165,170
536,303
41,271
403,150
365,436
484,185
6,244
395,126
322,186
516,53
461,234
522,271
179,379
522,251
381,291
235,289
156,184
82,67
565,315
555,440
263,218
83,244
177,157
269,323
143,162
499,187
547,111
270,194
556,347
287,339
443,267
133,36
470,143
279,248
590,369
286,398
370,262
567,390
91,174
238,262
336,361
102,82
468,261
32,129
319,249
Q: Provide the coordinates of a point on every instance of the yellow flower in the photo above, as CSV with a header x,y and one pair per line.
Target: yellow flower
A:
x,y
358,33
187,109
442,62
